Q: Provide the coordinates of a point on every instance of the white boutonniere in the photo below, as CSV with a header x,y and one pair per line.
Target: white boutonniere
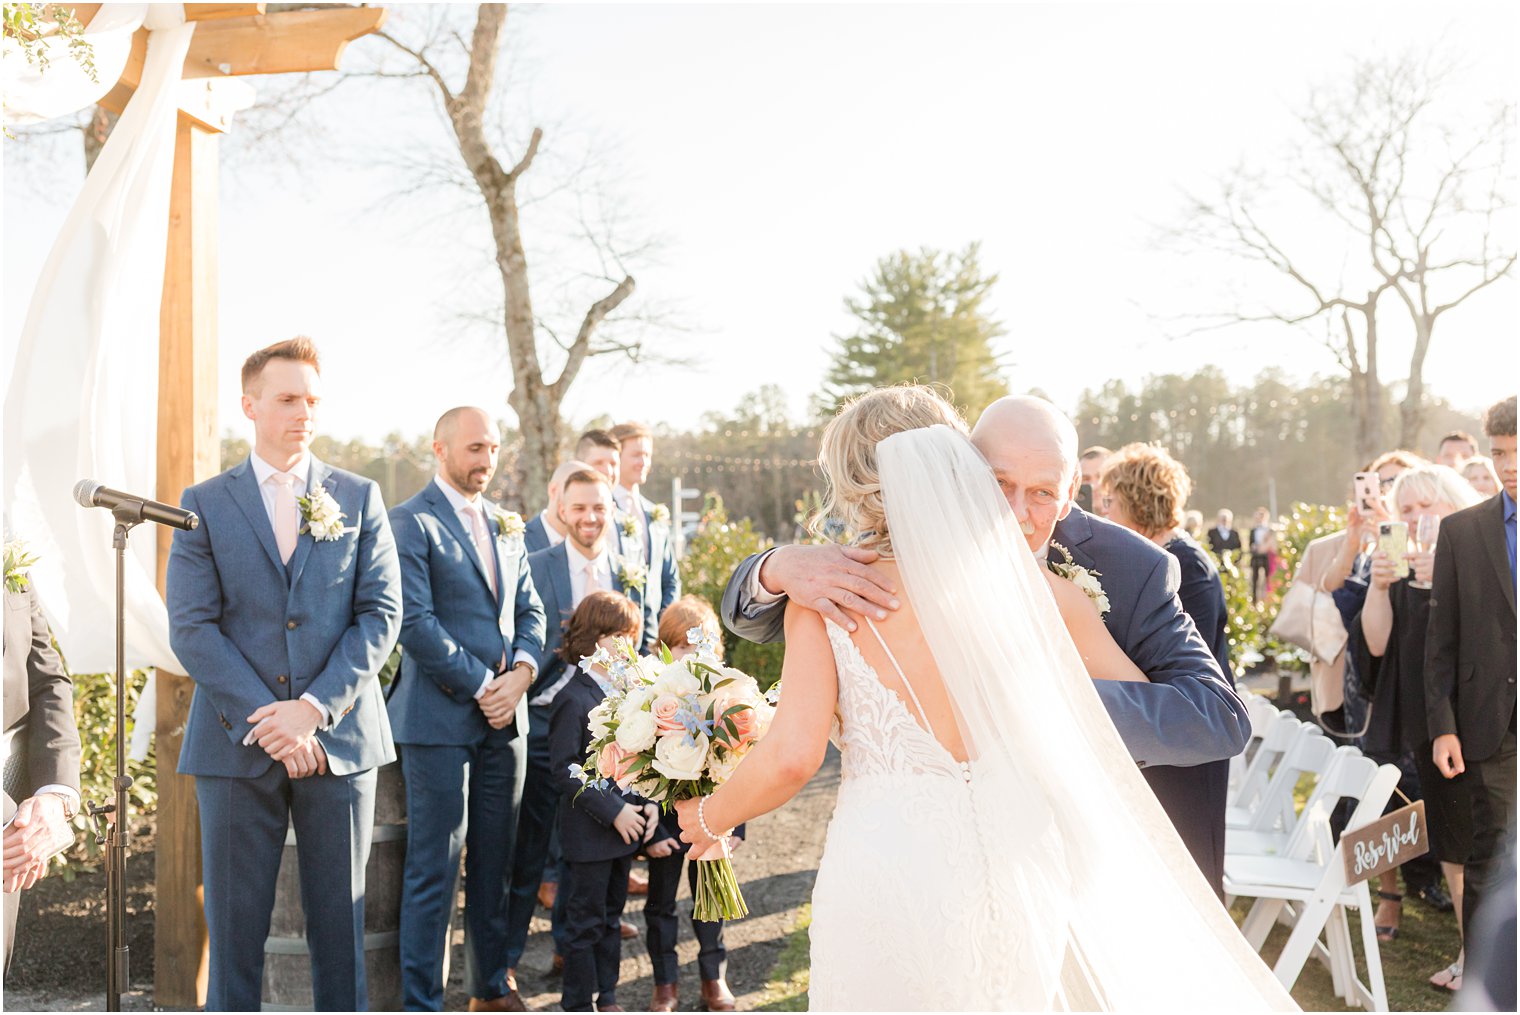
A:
x,y
659,515
632,574
510,527
18,565
628,525
1080,576
323,519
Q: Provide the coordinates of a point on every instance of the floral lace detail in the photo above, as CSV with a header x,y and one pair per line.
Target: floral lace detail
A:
x,y
903,915
874,731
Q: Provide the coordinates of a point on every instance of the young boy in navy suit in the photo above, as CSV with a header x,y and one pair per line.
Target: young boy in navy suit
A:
x,y
600,828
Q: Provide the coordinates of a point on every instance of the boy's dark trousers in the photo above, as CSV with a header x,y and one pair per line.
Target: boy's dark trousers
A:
x,y
660,916
594,893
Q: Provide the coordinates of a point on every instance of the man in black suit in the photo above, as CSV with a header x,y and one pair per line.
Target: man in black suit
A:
x,y
1222,537
1470,660
41,749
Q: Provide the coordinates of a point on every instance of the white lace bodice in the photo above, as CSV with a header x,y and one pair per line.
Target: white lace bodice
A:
x,y
874,731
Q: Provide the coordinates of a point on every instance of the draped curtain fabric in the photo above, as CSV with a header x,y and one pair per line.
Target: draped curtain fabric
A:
x,y
82,400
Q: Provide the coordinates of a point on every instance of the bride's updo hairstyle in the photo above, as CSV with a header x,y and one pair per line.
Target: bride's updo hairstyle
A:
x,y
847,456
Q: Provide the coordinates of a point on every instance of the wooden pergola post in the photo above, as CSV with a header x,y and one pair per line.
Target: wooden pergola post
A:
x,y
230,40
187,454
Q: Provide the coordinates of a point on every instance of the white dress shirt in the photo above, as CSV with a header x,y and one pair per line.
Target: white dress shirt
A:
x,y
587,575
465,508
555,538
268,491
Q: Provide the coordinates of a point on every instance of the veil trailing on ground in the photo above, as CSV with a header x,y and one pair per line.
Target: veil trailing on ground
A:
x,y
1096,903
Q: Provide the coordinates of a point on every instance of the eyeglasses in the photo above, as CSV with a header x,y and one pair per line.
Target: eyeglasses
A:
x,y
1385,484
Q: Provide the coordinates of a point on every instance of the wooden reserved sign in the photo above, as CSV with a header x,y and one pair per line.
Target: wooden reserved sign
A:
x,y
1393,839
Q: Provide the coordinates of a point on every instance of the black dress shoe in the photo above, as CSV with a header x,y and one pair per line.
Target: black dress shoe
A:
x,y
1434,896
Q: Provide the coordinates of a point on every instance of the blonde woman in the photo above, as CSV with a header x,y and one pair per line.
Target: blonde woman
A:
x,y
1479,473
992,839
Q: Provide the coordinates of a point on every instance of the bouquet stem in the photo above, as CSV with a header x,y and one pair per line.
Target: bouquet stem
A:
x,y
718,896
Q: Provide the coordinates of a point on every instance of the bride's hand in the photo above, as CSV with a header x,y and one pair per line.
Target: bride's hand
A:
x,y
691,827
830,580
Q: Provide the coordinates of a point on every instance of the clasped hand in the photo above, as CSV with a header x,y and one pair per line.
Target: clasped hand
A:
x,y
37,832
499,702
636,824
286,730
830,580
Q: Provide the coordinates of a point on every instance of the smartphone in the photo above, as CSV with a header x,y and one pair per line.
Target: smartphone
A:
x,y
1367,487
1085,497
1393,539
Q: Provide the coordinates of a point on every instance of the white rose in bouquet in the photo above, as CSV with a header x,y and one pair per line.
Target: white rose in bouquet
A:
x,y
742,684
677,680
599,722
636,700
636,733
678,756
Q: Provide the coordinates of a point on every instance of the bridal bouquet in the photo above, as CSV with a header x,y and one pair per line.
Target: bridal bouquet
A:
x,y
674,730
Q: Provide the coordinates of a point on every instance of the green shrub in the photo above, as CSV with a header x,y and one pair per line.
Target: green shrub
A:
x,y
1248,621
719,546
95,712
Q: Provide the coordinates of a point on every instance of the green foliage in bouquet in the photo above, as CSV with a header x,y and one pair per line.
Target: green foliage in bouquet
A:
x,y
1249,621
719,546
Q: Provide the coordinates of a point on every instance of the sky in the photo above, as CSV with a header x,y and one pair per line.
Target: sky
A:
x,y
775,153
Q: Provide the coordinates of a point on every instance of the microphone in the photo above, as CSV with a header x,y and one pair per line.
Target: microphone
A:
x,y
89,493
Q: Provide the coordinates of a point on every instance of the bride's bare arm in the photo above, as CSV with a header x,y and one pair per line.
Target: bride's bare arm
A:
x,y
789,754
1102,656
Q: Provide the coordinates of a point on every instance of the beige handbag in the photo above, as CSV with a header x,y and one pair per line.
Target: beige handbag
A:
x,y
1308,618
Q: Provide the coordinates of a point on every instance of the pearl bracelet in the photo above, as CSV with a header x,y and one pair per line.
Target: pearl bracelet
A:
x,y
702,820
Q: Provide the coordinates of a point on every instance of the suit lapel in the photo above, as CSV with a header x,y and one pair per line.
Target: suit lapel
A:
x,y
1491,526
246,495
561,577
320,478
1071,532
445,513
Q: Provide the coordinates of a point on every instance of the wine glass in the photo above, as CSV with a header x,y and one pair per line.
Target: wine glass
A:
x,y
1425,532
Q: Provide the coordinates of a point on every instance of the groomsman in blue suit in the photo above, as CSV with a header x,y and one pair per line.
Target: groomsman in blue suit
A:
x,y
563,575
283,604
472,631
544,529
646,525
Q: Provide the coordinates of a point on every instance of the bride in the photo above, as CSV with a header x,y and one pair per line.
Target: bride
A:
x,y
993,846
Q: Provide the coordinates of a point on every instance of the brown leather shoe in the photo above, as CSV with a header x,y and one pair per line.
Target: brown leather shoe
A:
x,y
510,1001
628,930
638,883
716,996
547,893
557,967
610,1007
664,997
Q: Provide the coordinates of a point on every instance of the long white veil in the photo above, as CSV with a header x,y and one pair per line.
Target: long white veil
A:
x,y
1097,905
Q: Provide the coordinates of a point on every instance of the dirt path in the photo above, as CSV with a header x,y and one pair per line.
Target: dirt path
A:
x,y
60,949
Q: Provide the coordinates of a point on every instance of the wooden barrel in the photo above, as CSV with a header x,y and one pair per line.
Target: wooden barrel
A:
x,y
287,963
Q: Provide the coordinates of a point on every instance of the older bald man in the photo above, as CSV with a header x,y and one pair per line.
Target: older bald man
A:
x,y
1180,727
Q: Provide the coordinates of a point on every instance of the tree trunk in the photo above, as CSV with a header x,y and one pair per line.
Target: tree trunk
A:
x,y
1412,409
95,133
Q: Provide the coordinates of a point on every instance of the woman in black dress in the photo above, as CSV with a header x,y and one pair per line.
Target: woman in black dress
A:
x,y
1388,637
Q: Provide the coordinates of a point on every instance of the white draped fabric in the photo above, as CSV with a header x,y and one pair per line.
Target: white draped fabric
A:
x,y
33,95
1092,901
82,400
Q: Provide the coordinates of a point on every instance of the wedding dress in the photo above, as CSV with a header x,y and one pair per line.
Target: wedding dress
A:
x,y
1039,874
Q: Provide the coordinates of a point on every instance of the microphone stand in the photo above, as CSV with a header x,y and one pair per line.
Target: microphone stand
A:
x,y
112,829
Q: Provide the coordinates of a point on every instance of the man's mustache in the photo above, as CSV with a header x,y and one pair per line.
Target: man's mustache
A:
x,y
1026,527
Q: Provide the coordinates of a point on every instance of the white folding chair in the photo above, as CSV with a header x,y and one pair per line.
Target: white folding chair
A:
x,y
1261,713
1307,884
1284,732
1267,831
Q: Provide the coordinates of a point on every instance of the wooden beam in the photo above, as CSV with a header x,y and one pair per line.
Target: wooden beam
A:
x,y
215,12
281,43
131,75
188,452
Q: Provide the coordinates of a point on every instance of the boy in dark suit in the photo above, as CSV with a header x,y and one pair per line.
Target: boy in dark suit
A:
x,y
600,827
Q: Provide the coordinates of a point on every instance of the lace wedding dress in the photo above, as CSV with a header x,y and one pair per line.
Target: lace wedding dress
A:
x,y
1038,874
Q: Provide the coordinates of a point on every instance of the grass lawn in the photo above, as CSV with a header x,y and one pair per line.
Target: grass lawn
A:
x,y
1427,941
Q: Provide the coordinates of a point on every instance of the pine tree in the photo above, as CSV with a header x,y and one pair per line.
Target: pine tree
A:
x,y
922,319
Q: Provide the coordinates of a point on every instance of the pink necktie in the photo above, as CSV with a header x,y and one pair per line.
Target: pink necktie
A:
x,y
483,545
285,524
